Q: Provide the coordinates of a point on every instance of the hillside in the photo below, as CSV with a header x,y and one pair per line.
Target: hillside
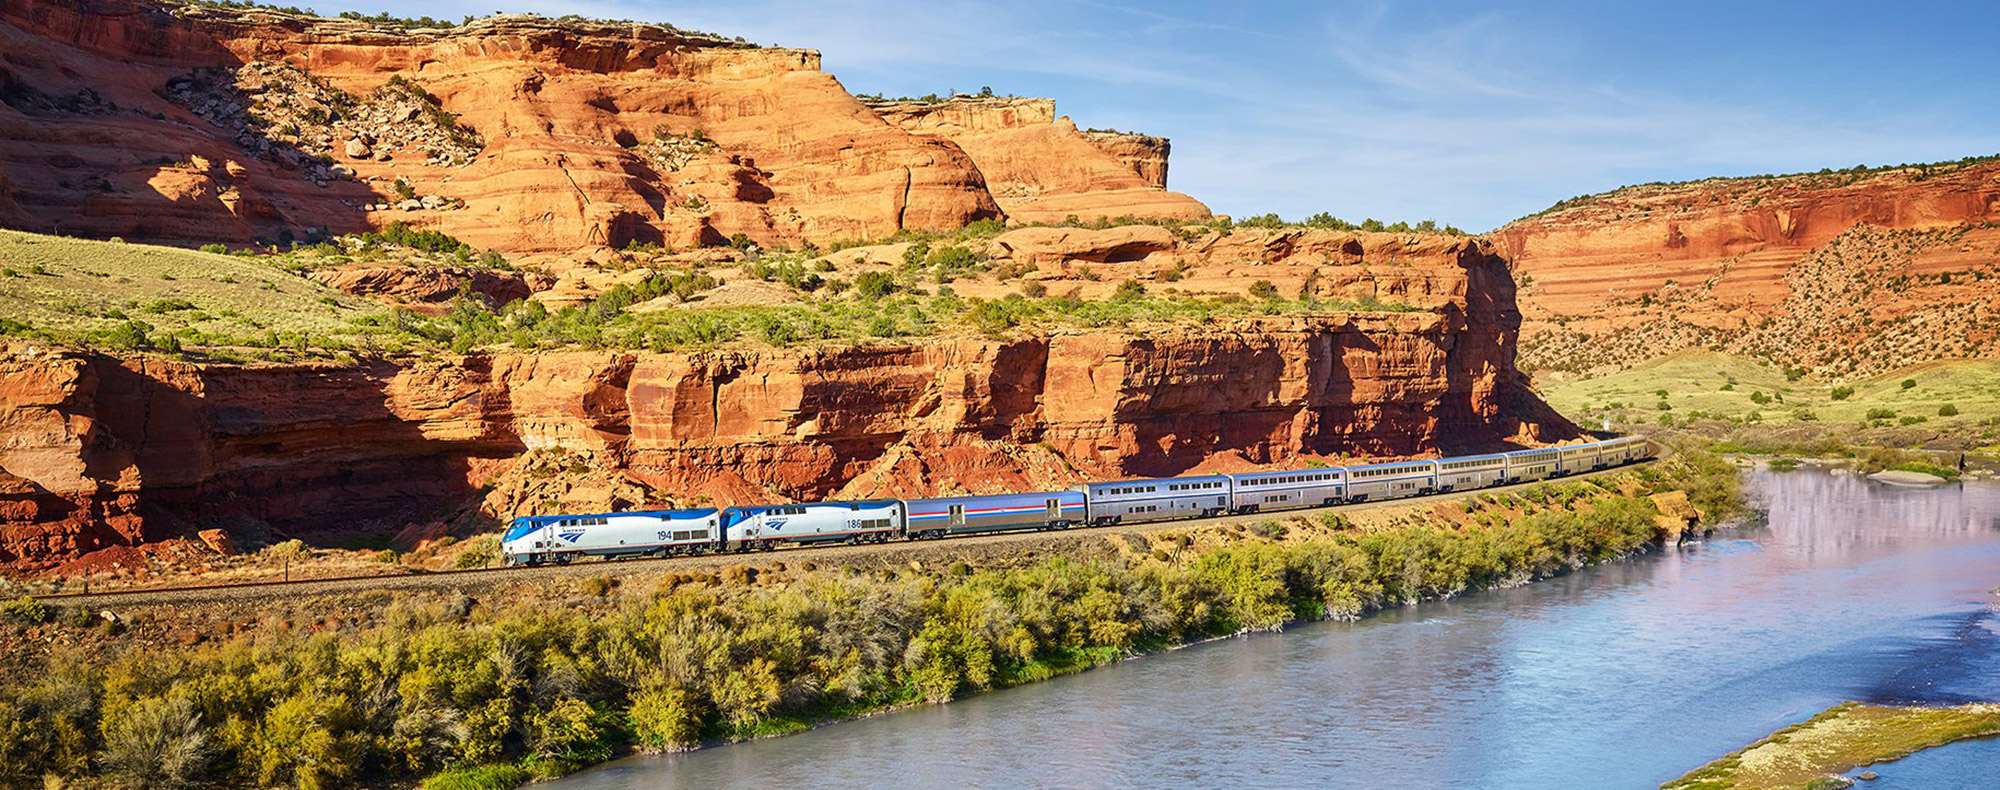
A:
x,y
1836,274
195,124
979,361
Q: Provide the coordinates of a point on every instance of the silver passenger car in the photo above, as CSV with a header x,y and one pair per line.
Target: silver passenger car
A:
x,y
1157,499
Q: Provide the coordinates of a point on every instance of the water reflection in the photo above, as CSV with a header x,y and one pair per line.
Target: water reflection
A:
x,y
1620,676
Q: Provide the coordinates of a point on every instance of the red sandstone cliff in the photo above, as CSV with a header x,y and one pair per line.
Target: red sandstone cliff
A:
x,y
1040,168
1835,272
97,452
192,124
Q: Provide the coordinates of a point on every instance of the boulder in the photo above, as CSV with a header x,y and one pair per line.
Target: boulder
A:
x,y
219,542
356,149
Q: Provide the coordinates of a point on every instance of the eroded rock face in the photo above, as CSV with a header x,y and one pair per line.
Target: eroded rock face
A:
x,y
1836,273
97,452
1040,168
541,127
431,287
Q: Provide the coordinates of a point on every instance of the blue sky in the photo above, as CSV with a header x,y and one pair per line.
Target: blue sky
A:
x,y
1458,111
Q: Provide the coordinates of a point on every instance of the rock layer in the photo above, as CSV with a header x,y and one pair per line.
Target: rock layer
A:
x,y
560,107
1775,266
1040,168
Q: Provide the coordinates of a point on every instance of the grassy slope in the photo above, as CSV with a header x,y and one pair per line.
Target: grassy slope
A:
x,y
1809,754
1694,380
83,285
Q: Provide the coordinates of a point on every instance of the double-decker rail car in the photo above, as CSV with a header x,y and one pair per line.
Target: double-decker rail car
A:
x,y
539,539
1261,491
1474,471
1623,449
941,516
768,526
1526,465
1392,480
1577,458
1159,499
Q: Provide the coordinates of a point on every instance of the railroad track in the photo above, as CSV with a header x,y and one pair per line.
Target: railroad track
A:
x,y
896,553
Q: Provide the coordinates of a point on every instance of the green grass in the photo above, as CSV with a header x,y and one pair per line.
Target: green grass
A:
x,y
1725,386
77,290
1809,754
484,777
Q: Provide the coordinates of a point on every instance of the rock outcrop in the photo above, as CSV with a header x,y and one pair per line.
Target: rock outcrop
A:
x,y
1835,273
512,132
98,452
539,126
1040,168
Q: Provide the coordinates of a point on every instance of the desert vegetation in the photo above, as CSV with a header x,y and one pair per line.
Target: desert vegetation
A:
x,y
455,692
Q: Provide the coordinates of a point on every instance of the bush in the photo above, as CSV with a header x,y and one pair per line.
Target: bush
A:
x,y
567,735
1909,384
158,743
1881,414
1129,290
26,609
479,552
666,719
1263,289
1759,398
1948,410
1843,392
874,285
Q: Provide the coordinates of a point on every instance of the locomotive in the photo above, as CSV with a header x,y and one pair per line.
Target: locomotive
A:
x,y
533,540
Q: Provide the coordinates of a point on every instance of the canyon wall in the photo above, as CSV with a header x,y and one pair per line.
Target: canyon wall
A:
x,y
98,452
1041,168
1835,272
192,124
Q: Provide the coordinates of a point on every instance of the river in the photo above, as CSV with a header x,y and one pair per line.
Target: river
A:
x,y
1623,675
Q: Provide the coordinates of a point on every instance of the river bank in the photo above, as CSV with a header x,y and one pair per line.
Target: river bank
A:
x,y
538,682
1622,674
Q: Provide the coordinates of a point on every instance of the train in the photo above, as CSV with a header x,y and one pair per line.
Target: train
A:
x,y
535,540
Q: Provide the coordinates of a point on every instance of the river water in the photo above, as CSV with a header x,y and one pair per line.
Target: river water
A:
x,y
1625,675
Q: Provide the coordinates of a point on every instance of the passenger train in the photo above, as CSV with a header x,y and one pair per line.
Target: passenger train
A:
x,y
561,539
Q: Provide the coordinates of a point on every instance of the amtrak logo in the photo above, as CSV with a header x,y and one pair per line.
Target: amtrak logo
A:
x,y
571,536
774,523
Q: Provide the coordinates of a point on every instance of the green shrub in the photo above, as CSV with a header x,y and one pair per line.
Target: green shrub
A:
x,y
26,609
1843,392
158,742
1948,410
1263,289
666,719
479,552
1881,414
1909,384
874,285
